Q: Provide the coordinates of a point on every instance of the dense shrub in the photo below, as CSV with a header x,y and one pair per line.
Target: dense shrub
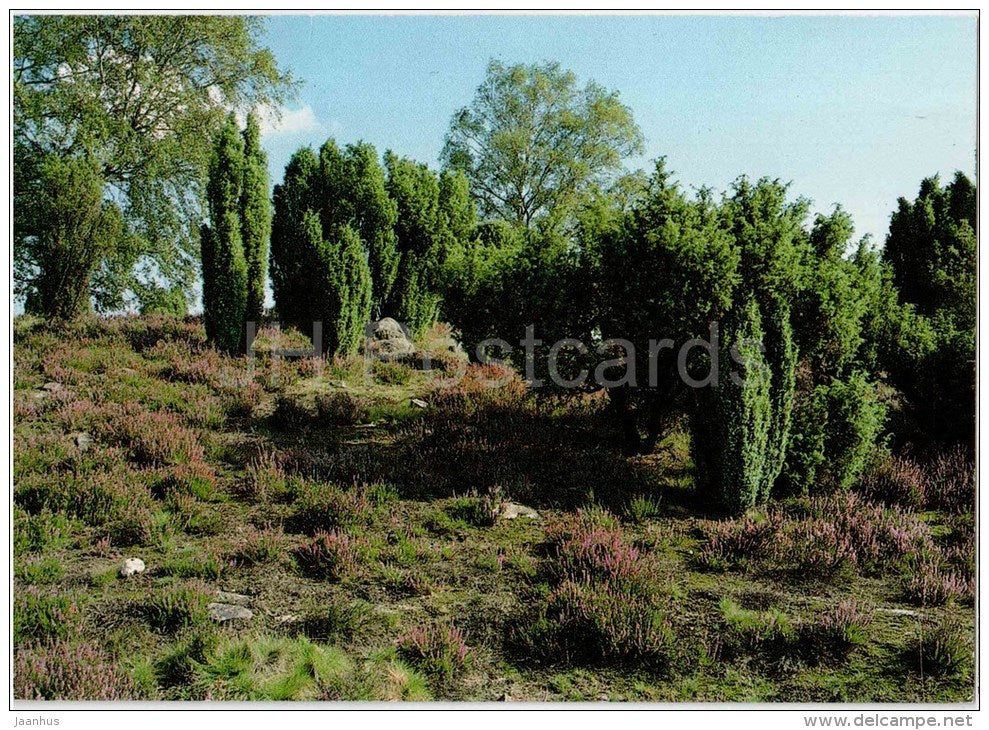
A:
x,y
603,603
176,607
333,255
328,556
730,432
930,585
224,266
951,482
439,649
62,670
894,480
828,538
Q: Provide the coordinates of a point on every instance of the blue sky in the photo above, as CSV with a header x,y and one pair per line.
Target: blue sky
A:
x,y
850,109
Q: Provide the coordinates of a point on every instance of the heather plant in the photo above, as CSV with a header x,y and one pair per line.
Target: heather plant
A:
x,y
320,506
292,412
44,531
257,547
265,479
842,628
341,409
63,670
603,603
42,616
894,480
328,556
194,479
816,549
439,650
951,482
41,571
392,373
152,438
171,608
734,543
932,585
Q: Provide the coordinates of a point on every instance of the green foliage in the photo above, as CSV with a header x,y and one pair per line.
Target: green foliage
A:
x,y
139,98
667,260
172,608
255,217
415,190
223,261
63,231
354,284
352,187
273,668
473,275
159,300
533,142
731,427
931,252
855,420
331,243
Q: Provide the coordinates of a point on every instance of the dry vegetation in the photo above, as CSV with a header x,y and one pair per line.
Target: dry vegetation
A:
x,y
363,532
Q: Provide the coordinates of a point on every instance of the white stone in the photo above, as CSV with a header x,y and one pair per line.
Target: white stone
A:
x,y
419,403
512,511
131,566
222,612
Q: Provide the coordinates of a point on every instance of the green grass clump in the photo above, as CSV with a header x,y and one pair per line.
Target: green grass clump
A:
x,y
642,508
275,668
943,649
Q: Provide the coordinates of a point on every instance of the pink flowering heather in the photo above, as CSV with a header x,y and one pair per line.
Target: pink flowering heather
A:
x,y
328,555
930,585
439,649
61,670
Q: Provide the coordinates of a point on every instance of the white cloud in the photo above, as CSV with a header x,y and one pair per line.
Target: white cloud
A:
x,y
284,122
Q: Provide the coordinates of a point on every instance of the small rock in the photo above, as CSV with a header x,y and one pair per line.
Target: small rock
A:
x,y
898,611
387,340
53,387
236,599
223,612
289,618
512,511
131,566
418,403
82,440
